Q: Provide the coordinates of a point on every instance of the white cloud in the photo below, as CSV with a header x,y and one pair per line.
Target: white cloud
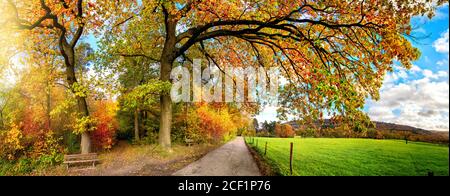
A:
x,y
429,74
381,113
420,102
415,69
442,74
441,44
442,62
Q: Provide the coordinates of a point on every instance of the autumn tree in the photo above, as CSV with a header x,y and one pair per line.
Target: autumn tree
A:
x,y
125,62
63,23
333,53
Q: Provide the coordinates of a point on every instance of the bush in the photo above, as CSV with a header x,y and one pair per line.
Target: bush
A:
x,y
150,138
12,144
248,132
47,148
212,124
106,125
263,134
284,131
23,153
24,165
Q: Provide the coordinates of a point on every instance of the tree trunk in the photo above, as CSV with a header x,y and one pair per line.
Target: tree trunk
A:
x,y
49,106
1,120
166,110
166,121
167,58
69,60
85,137
136,124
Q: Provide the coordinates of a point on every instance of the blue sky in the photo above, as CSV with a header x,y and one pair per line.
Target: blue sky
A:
x,y
417,97
420,97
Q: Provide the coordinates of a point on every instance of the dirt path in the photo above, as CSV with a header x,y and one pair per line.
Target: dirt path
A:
x,y
232,159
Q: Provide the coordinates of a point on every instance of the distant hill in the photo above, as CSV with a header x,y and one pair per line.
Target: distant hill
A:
x,y
397,127
379,126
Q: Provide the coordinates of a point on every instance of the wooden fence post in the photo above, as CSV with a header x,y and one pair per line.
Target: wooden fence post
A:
x,y
256,143
290,157
265,149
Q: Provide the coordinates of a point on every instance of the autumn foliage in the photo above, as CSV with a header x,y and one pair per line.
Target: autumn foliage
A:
x,y
43,147
106,125
284,130
212,123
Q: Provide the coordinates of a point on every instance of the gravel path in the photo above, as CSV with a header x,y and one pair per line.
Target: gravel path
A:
x,y
232,159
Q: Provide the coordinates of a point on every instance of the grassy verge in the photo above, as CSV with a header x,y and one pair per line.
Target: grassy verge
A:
x,y
264,167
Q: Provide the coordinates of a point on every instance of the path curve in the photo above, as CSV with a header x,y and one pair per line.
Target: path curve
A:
x,y
232,159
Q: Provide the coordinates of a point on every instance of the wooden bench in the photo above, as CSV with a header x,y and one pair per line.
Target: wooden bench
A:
x,y
80,159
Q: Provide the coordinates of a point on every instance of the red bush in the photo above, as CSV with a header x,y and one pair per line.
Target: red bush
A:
x,y
103,136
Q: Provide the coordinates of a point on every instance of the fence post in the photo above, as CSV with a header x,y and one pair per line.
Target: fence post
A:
x,y
290,157
256,143
265,149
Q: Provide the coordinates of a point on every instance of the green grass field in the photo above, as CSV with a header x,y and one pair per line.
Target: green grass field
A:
x,y
353,157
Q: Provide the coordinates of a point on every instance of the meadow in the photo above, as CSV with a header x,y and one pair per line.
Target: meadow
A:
x,y
352,157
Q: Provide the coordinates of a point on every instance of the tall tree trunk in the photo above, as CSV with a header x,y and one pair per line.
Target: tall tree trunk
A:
x,y
69,60
167,58
136,124
166,110
166,121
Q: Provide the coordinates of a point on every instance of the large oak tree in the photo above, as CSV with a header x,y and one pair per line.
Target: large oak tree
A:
x,y
334,53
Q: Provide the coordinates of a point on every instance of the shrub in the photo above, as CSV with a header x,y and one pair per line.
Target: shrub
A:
x,y
216,125
46,148
106,125
211,123
24,165
150,138
263,134
24,153
12,144
284,130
